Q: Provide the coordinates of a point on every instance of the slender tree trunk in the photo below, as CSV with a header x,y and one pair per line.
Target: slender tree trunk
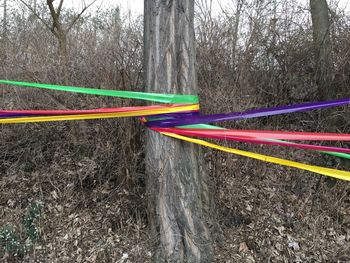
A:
x,y
62,43
177,187
322,45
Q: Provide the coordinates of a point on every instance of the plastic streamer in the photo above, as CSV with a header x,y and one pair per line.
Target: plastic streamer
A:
x,y
344,175
248,114
259,140
180,118
225,134
71,112
134,113
156,97
206,127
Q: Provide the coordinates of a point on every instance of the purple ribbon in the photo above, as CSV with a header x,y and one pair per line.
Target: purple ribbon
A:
x,y
246,114
13,115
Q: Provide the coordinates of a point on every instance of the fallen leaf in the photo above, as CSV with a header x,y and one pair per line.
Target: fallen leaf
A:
x,y
243,247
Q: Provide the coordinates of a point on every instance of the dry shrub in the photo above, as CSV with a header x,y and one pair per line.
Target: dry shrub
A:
x,y
88,168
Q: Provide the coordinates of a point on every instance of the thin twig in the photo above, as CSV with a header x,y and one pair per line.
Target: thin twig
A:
x,y
79,15
38,16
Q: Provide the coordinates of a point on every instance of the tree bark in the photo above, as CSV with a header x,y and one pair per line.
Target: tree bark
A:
x,y
63,56
322,46
177,182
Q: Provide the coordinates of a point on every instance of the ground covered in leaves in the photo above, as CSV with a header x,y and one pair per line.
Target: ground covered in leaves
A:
x,y
93,203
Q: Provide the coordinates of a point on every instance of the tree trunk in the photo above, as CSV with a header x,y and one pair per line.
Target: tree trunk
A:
x,y
177,182
322,45
63,55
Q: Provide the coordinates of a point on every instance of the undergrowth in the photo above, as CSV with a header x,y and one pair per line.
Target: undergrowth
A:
x,y
12,243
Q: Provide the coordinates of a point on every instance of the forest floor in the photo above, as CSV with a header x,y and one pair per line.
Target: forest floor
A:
x,y
267,213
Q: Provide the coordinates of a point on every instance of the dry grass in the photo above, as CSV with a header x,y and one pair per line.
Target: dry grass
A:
x,y
89,176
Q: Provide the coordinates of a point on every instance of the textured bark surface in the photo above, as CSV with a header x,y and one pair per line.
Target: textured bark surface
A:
x,y
322,43
176,185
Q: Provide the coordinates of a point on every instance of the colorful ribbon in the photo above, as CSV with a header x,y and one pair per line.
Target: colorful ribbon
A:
x,y
344,175
71,112
248,114
225,134
163,98
180,118
92,116
256,140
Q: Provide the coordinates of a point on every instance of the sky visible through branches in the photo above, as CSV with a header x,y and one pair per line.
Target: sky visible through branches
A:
x,y
136,6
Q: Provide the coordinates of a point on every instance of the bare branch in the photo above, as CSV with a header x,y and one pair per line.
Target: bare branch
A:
x,y
79,15
38,16
59,8
52,10
55,18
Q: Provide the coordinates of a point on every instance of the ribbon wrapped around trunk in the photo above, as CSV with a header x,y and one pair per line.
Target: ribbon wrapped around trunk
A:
x,y
180,119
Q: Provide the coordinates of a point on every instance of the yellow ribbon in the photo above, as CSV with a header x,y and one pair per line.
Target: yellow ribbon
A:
x,y
100,115
344,175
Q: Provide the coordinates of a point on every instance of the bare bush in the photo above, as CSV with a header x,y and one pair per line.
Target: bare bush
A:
x,y
251,54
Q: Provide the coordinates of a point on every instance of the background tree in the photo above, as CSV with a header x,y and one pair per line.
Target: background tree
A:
x,y
57,28
322,46
237,20
100,178
176,186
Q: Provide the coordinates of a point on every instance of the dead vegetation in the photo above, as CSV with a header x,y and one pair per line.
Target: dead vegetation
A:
x,y
89,176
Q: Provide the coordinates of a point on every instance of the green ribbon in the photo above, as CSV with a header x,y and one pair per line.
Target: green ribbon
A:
x,y
340,155
156,97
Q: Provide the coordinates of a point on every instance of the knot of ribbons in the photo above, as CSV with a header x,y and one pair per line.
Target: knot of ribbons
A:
x,y
180,119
